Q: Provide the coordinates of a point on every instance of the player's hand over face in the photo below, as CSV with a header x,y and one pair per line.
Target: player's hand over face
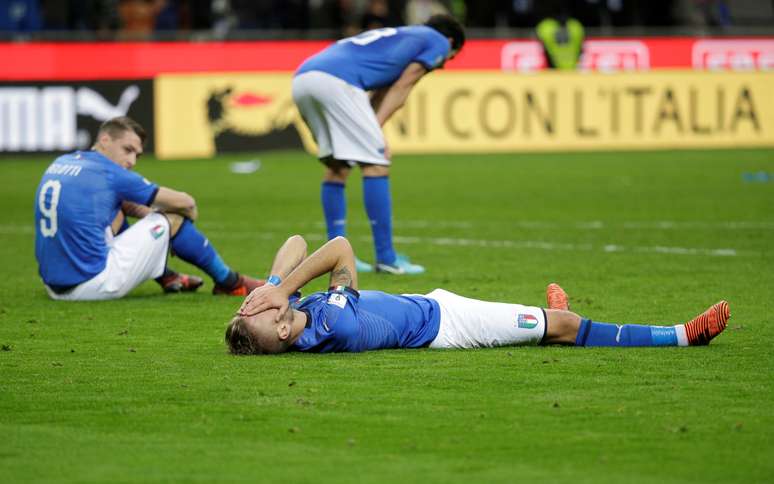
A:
x,y
263,298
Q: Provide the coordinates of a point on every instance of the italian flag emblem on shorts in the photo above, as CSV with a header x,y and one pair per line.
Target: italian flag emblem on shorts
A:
x,y
526,321
157,231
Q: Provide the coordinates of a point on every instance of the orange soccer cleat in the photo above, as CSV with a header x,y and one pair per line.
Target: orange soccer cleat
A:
x,y
243,286
175,282
556,298
701,329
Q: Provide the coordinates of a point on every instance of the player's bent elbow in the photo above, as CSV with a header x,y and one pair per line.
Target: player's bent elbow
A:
x,y
297,238
188,201
342,241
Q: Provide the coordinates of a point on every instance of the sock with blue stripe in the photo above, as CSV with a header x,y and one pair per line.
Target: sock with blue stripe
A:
x,y
193,247
378,205
593,333
334,204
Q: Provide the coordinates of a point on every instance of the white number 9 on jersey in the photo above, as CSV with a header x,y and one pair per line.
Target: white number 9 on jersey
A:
x,y
370,36
48,222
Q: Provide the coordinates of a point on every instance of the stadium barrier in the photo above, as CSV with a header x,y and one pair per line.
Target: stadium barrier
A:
x,y
62,116
199,116
207,98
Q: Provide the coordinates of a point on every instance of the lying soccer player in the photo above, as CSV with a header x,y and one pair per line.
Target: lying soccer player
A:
x,y
272,319
85,248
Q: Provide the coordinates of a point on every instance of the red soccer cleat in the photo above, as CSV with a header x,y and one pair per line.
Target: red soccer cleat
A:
x,y
243,287
701,329
556,298
175,282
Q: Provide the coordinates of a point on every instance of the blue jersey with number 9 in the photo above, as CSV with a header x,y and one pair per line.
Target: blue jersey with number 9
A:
x,y
377,58
77,200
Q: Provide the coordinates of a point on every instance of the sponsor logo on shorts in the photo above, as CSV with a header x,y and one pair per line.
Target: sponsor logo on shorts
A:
x,y
157,231
526,321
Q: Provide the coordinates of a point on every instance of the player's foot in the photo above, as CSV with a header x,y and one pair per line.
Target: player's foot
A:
x,y
556,298
401,266
243,286
176,282
363,266
701,329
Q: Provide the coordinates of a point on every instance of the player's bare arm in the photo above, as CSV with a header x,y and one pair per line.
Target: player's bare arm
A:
x,y
173,201
135,210
115,226
335,257
129,209
377,96
398,92
288,257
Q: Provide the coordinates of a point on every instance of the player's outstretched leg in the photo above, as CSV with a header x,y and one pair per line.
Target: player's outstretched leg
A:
x,y
698,331
193,247
172,282
701,329
556,298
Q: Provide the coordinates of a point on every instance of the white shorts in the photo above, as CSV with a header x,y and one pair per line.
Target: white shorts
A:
x,y
136,255
470,323
340,117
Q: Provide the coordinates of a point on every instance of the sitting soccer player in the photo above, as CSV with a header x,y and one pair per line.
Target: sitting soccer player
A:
x,y
85,248
272,319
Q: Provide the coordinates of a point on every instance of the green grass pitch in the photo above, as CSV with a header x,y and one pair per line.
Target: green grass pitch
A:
x,y
142,389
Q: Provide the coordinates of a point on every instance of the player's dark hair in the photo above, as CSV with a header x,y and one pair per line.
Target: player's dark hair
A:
x,y
448,26
238,338
115,127
242,341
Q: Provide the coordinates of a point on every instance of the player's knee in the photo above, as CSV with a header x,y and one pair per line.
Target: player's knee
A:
x,y
337,174
175,222
562,326
375,170
341,240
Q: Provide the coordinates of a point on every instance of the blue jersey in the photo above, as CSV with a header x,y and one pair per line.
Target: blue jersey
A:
x,y
344,320
377,58
77,200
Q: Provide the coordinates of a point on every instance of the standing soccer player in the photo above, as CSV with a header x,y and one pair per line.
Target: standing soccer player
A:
x,y
85,248
331,90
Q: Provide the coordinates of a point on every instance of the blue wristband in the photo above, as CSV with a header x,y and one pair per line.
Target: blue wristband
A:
x,y
274,280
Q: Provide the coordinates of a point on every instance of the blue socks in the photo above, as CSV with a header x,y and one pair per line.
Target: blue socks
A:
x,y
592,333
190,245
334,204
378,205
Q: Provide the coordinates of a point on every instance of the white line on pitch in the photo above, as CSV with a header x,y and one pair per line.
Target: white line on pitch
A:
x,y
459,242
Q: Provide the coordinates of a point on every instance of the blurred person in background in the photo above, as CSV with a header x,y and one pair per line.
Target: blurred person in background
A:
x,y
20,16
418,11
377,15
562,39
138,18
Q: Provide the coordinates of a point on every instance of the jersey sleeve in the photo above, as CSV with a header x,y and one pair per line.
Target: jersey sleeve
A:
x,y
341,318
433,52
338,299
133,187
